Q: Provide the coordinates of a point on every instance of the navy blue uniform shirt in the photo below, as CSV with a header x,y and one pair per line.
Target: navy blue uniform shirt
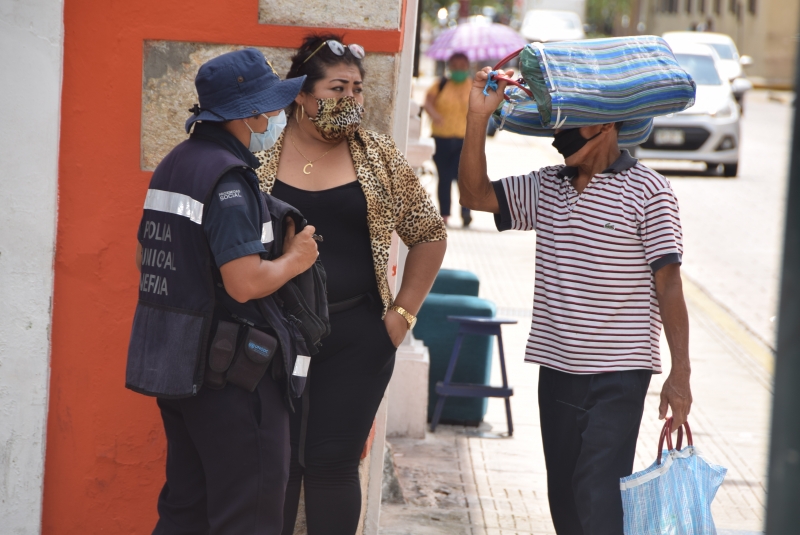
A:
x,y
232,221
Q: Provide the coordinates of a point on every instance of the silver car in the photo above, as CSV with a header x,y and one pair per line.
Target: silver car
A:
x,y
730,61
706,132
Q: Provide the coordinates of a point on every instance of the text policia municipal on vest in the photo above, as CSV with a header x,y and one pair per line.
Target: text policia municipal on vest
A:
x,y
151,283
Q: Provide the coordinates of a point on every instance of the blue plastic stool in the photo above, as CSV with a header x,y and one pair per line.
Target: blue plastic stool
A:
x,y
482,326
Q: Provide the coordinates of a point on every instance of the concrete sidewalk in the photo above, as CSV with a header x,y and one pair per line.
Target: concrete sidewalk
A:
x,y
455,481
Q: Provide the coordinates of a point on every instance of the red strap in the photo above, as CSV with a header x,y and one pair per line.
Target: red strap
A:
x,y
513,82
666,433
689,440
507,79
507,59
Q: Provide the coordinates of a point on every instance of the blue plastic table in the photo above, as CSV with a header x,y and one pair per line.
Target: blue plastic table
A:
x,y
482,326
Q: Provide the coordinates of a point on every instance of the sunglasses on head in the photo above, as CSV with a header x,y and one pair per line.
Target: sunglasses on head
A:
x,y
338,48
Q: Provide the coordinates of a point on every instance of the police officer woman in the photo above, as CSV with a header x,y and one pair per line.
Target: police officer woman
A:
x,y
356,188
206,338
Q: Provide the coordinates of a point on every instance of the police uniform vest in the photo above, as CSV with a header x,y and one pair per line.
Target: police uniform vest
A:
x,y
175,313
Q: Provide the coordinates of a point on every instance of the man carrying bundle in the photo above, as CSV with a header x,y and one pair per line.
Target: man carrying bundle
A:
x,y
608,255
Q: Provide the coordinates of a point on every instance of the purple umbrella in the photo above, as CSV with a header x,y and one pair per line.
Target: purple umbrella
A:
x,y
480,41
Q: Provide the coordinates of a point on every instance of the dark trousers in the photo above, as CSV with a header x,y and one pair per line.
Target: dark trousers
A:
x,y
346,382
227,462
448,153
590,424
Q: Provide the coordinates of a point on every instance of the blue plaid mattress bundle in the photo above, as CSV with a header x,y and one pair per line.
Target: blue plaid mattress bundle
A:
x,y
521,116
597,81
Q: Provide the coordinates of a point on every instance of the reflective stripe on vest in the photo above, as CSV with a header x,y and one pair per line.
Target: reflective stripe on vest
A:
x,y
266,232
175,203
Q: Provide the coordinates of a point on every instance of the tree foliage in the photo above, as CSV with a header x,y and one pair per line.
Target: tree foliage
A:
x,y
601,14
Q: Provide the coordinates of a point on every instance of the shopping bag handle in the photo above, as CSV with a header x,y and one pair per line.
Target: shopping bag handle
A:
x,y
666,434
507,59
506,78
511,82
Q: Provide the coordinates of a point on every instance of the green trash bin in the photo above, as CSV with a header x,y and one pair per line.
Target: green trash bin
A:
x,y
456,282
474,361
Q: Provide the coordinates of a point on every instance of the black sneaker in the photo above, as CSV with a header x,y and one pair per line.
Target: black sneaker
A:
x,y
466,217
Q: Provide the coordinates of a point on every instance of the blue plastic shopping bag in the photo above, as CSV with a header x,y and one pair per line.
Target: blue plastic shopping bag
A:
x,y
673,495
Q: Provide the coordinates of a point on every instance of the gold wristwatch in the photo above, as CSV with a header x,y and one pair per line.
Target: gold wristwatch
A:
x,y
409,317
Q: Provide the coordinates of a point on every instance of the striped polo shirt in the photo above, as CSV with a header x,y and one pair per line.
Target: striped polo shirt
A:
x,y
595,308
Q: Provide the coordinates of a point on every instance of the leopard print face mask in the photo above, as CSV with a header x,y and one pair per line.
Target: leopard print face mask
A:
x,y
337,118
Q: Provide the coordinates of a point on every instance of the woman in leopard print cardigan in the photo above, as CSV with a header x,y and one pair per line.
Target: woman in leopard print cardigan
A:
x,y
356,188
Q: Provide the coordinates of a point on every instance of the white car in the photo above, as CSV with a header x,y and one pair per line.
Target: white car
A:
x,y
545,25
709,130
729,60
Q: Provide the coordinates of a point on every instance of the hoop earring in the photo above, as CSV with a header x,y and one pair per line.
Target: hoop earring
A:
x,y
298,113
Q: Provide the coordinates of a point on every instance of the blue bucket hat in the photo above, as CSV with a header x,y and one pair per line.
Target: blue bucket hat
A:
x,y
238,85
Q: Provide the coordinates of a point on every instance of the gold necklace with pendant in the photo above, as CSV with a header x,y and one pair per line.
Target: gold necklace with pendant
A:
x,y
310,164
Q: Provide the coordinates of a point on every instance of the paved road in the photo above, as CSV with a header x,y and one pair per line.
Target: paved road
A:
x,y
733,228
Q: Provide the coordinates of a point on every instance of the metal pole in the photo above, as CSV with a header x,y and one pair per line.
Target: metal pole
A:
x,y
783,496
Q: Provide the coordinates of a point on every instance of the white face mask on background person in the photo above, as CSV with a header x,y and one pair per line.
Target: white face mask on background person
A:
x,y
267,139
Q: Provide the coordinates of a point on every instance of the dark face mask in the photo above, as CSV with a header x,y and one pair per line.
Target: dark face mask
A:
x,y
568,142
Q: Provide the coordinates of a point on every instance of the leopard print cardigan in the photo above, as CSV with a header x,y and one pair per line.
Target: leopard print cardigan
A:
x,y
396,201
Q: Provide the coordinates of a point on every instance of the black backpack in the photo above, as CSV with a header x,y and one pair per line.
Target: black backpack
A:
x,y
304,299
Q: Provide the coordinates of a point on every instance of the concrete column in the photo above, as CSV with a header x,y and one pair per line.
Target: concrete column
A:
x,y
31,51
408,389
407,393
402,104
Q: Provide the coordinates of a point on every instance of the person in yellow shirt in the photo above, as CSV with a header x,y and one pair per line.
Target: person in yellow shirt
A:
x,y
447,102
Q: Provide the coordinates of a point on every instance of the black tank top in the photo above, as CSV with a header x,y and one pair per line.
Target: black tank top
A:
x,y
340,217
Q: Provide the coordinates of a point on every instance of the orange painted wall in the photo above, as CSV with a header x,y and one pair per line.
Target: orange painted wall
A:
x,y
105,447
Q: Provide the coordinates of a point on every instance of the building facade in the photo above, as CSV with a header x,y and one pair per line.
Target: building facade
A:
x,y
766,30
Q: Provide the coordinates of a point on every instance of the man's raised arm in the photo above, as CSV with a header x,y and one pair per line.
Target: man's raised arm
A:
x,y
474,186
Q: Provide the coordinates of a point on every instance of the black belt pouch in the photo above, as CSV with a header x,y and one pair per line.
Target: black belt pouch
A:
x,y
220,356
252,359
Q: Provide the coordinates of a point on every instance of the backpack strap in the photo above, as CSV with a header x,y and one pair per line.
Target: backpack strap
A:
x,y
306,309
306,404
304,298
442,82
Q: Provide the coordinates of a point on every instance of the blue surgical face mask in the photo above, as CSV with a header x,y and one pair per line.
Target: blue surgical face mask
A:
x,y
267,139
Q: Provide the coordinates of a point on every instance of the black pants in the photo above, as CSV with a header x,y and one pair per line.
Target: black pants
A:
x,y
590,424
227,462
448,153
346,383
